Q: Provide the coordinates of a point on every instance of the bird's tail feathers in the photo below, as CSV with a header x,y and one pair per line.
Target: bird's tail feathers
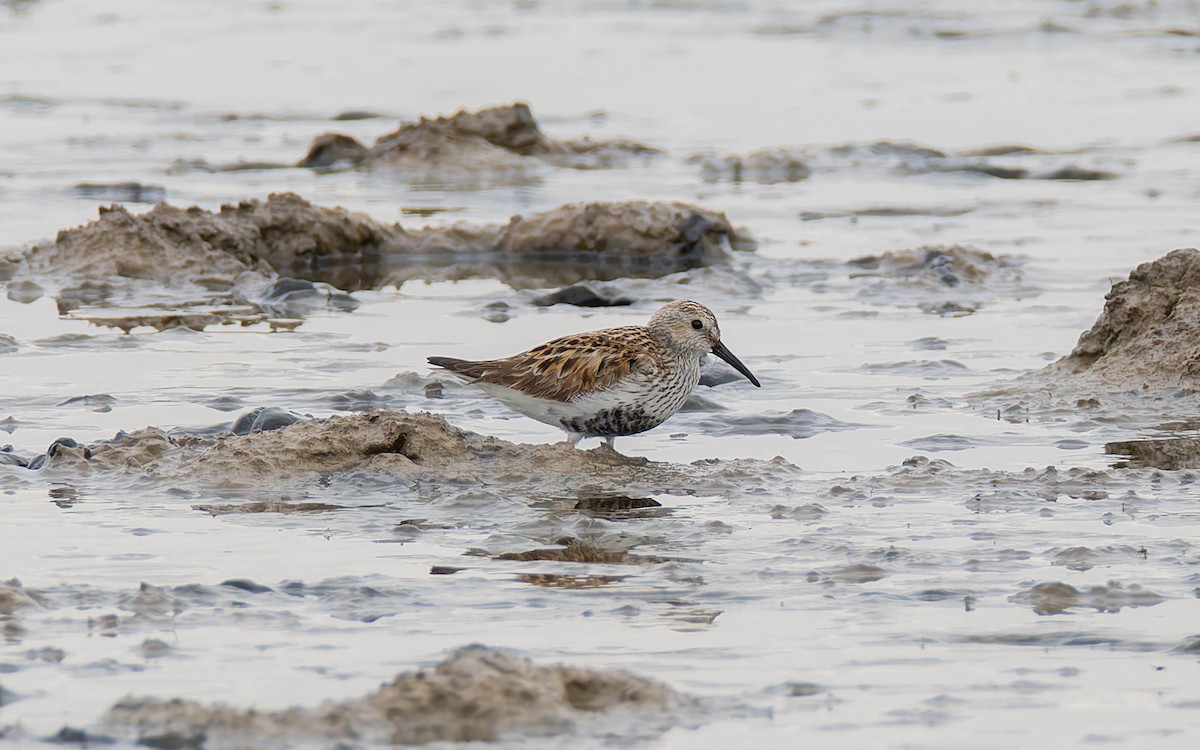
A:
x,y
463,367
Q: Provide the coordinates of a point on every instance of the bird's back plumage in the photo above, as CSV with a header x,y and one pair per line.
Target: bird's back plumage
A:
x,y
566,368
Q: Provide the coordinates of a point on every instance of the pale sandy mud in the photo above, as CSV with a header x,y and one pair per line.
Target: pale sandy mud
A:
x,y
475,694
485,145
258,260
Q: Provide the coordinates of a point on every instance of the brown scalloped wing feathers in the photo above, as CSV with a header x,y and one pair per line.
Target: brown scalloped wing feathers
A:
x,y
569,367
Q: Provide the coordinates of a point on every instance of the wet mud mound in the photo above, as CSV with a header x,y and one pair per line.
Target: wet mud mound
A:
x,y
265,255
479,146
1147,337
413,447
475,694
939,279
190,250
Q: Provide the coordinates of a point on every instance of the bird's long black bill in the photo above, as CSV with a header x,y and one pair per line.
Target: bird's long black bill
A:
x,y
720,350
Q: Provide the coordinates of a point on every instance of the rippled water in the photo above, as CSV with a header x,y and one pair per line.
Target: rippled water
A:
x,y
865,599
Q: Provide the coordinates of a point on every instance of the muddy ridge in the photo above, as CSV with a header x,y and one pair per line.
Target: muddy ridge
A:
x,y
411,446
237,255
470,145
476,694
1148,335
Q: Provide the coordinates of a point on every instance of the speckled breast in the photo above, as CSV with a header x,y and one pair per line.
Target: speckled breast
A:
x,y
665,396
620,420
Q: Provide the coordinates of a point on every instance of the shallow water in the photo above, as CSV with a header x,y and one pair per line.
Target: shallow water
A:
x,y
907,602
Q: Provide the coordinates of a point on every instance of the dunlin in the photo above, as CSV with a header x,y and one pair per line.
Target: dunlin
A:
x,y
606,383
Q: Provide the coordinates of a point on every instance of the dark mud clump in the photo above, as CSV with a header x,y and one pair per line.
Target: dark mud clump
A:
x,y
1148,336
278,506
333,150
475,694
582,295
237,254
265,419
618,506
480,146
412,447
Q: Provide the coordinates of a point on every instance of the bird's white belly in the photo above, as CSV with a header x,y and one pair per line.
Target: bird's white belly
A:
x,y
543,410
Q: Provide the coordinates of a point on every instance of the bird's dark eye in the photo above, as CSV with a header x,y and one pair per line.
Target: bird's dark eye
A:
x,y
697,325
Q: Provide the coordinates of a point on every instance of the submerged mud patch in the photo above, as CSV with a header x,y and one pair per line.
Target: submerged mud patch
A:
x,y
944,280
799,424
494,144
1058,598
280,506
476,694
766,166
986,490
15,598
266,253
793,164
566,581
944,265
580,551
854,573
1006,163
940,279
